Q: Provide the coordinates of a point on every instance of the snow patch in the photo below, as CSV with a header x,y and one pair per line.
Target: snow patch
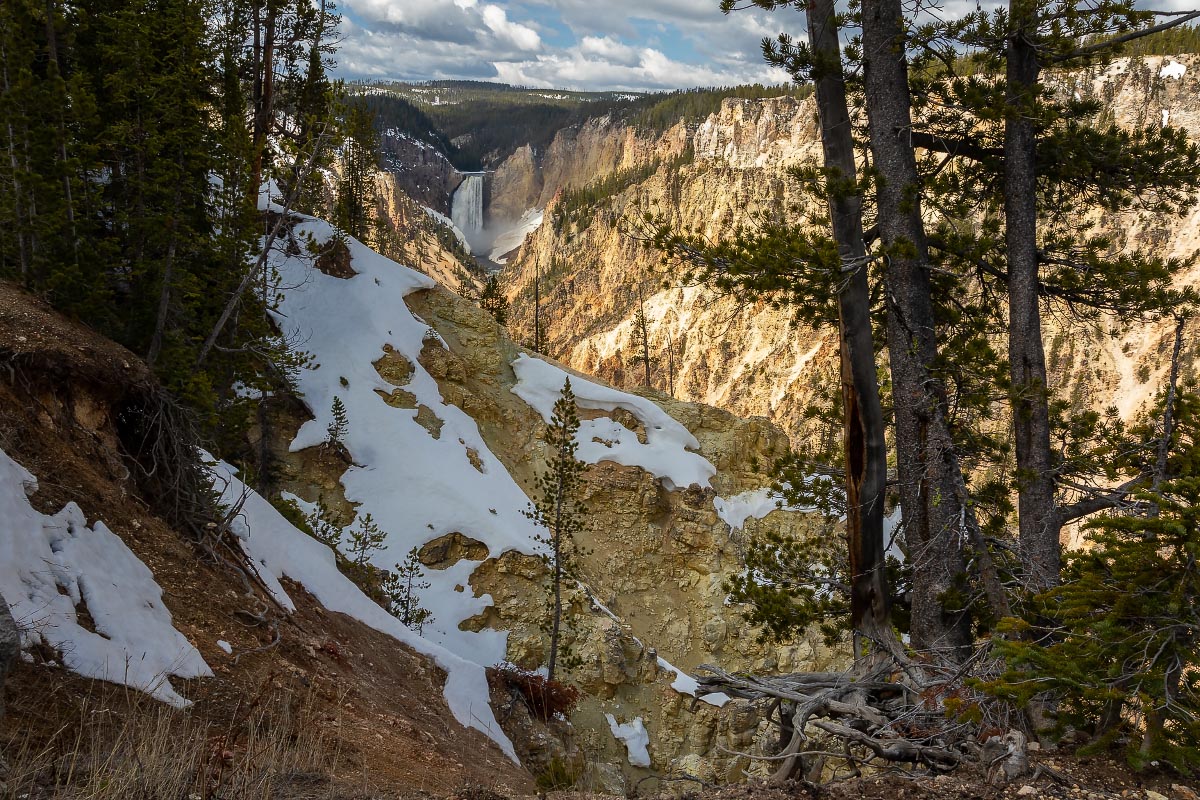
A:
x,y
635,737
514,237
449,223
226,646
665,454
686,684
1172,70
53,567
756,503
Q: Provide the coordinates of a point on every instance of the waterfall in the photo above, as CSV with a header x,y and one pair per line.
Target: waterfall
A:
x,y
466,207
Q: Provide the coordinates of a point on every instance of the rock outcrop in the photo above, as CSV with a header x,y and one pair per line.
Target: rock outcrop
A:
x,y
653,579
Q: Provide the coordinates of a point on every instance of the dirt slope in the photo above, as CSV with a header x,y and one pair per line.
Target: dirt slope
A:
x,y
358,713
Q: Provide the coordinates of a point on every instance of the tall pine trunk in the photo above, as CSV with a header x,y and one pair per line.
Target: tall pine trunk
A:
x,y
863,432
934,510
1038,519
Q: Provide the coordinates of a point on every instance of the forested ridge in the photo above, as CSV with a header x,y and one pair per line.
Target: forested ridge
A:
x,y
484,123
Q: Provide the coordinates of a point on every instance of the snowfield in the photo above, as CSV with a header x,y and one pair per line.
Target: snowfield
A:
x,y
417,484
51,566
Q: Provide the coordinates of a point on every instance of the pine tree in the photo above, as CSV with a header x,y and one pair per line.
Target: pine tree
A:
x,y
324,529
641,337
365,540
335,432
403,587
493,301
356,195
1124,651
559,512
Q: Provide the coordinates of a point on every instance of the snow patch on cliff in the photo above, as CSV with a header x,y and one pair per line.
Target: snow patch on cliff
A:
x,y
1172,70
756,503
666,451
509,240
635,737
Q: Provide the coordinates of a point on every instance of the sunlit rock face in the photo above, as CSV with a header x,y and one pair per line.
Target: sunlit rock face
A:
x,y
749,358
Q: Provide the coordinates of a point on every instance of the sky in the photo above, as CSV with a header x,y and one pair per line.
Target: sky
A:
x,y
569,44
574,44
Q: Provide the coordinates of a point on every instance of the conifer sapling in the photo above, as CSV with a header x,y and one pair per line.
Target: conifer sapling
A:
x,y
557,509
403,588
335,432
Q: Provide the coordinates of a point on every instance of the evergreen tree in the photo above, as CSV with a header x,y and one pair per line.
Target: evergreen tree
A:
x,y
641,337
1123,650
557,509
403,587
493,301
356,195
335,432
322,526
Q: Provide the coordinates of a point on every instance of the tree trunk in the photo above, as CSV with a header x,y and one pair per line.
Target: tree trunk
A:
x,y
16,181
1039,522
10,645
537,308
863,433
264,94
933,509
556,621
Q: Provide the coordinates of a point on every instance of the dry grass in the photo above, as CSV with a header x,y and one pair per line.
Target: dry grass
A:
x,y
275,746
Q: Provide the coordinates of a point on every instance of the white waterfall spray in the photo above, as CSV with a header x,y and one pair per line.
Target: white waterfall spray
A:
x,y
466,207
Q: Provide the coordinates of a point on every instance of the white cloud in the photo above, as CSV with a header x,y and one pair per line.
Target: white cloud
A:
x,y
651,69
520,36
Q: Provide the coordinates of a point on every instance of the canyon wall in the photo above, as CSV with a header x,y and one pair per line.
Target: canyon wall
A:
x,y
750,358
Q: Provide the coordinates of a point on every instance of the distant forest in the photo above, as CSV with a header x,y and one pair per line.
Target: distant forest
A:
x,y
477,125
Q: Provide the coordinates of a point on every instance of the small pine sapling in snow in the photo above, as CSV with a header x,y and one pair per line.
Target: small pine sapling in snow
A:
x,y
403,588
322,526
557,509
364,540
335,432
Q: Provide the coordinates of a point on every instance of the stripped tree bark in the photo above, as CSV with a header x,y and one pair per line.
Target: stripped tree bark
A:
x,y
863,427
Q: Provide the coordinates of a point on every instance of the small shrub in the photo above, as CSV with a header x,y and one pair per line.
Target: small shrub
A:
x,y
546,699
556,777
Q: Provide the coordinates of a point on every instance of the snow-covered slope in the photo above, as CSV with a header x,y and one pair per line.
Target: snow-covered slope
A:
x,y
278,549
54,569
418,484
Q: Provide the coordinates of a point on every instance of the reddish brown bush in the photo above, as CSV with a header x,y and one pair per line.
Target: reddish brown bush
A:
x,y
544,698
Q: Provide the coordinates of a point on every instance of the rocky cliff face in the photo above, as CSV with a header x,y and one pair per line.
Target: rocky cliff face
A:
x,y
654,574
577,155
743,356
747,357
419,169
